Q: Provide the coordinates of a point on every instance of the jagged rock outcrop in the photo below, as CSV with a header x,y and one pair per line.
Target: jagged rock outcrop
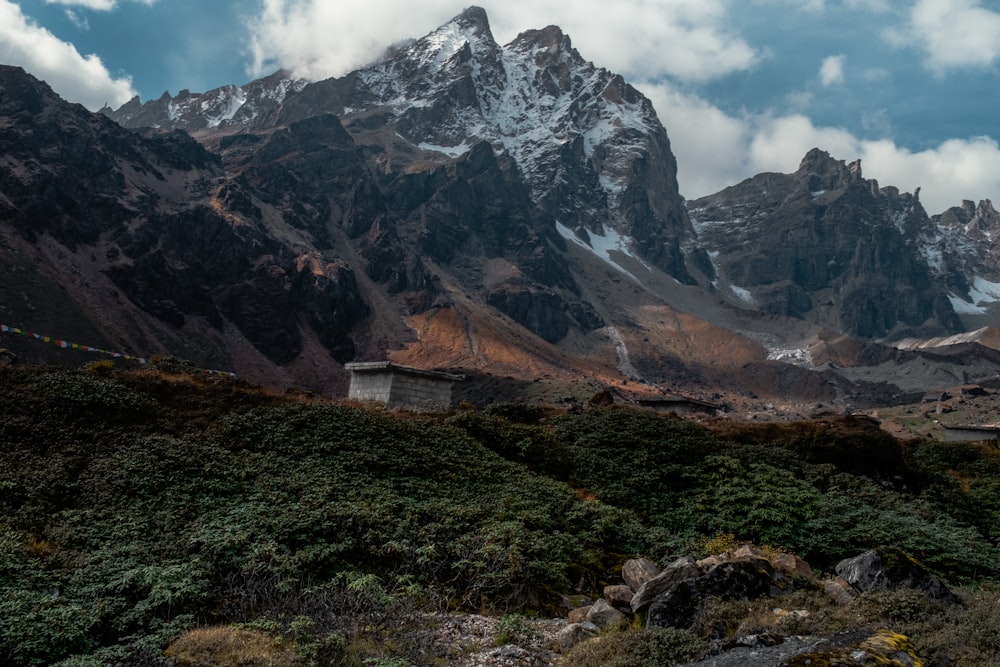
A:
x,y
671,598
826,244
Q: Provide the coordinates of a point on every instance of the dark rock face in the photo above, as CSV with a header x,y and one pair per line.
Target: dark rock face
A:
x,y
891,569
743,579
826,244
672,597
174,234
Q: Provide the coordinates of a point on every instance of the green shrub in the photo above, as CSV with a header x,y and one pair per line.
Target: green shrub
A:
x,y
90,391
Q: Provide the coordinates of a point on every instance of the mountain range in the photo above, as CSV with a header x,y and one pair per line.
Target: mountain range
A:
x,y
511,211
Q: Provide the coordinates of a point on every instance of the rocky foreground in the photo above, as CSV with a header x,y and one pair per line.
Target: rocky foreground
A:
x,y
679,597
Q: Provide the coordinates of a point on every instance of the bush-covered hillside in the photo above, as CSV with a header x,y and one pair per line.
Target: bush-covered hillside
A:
x,y
137,505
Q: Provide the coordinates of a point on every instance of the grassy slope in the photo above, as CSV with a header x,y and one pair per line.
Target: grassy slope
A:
x,y
135,505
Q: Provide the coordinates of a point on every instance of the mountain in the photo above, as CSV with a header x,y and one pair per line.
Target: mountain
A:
x,y
827,245
511,211
136,241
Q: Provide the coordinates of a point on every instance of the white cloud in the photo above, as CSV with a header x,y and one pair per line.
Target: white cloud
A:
x,y
80,22
871,5
715,150
951,34
710,145
832,70
77,78
95,5
685,39
877,6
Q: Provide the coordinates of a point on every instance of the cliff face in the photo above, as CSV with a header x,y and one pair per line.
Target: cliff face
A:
x,y
155,219
826,244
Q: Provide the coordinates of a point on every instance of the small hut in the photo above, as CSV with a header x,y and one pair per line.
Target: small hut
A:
x,y
681,405
971,433
400,387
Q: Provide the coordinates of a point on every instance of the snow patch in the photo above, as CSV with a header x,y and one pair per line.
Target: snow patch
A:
x,y
602,245
798,356
742,294
703,225
984,291
450,151
777,350
963,307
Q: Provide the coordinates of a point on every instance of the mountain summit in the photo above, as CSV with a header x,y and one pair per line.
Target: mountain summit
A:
x,y
589,145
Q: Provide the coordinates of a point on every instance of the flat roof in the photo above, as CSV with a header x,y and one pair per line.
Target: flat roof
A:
x,y
972,427
666,400
377,366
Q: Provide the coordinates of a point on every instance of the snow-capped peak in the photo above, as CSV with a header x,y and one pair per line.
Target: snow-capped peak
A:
x,y
531,99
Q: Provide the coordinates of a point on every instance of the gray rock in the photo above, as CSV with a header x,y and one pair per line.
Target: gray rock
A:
x,y
747,578
579,614
638,571
574,633
680,570
604,616
839,591
620,597
891,569
791,564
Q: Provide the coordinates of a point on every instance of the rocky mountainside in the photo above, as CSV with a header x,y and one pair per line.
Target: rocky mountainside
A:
x,y
827,244
512,211
137,241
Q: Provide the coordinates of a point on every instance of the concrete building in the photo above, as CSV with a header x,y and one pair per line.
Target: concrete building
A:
x,y
400,386
680,405
971,433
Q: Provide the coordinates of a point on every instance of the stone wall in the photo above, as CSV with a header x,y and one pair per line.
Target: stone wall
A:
x,y
420,392
375,387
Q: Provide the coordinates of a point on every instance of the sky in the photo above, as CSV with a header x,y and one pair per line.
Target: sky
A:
x,y
742,86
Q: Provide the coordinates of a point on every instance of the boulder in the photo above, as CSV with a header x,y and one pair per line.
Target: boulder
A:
x,y
638,571
682,569
604,616
749,579
710,561
675,607
574,633
839,591
891,569
674,596
579,614
620,597
748,551
791,564
883,648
